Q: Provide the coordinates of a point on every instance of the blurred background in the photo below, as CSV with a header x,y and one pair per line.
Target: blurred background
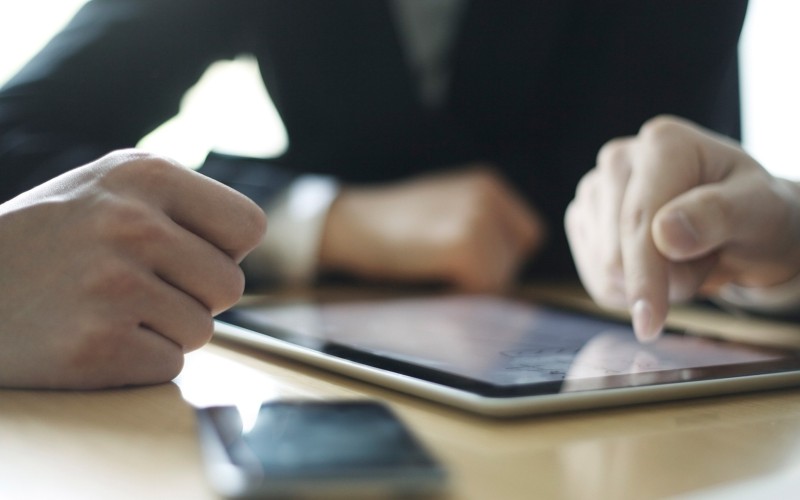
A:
x,y
229,110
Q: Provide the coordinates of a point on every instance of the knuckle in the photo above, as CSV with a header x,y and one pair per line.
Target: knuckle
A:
x,y
205,329
152,171
616,170
661,127
229,288
253,223
586,185
130,155
482,183
112,277
613,155
147,171
603,282
169,366
139,163
606,291
633,219
134,223
611,271
92,353
97,355
201,333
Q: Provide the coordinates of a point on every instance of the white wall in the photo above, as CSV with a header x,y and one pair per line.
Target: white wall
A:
x,y
770,55
26,25
229,109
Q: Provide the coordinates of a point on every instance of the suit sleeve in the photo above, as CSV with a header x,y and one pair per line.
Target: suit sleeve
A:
x,y
114,73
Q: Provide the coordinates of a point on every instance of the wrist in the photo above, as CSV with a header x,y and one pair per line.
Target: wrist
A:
x,y
338,237
351,241
297,218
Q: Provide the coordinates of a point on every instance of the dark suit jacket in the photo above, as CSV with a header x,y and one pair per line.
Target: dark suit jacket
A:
x,y
537,87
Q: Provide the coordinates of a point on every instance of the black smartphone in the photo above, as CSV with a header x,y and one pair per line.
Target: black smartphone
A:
x,y
316,449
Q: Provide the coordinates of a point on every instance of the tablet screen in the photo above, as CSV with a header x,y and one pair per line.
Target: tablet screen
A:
x,y
499,347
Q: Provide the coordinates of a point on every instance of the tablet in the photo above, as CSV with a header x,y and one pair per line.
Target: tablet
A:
x,y
500,356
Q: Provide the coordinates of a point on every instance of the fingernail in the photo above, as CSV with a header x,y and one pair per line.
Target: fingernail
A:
x,y
642,315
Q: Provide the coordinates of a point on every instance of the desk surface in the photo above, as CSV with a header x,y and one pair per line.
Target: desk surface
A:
x,y
140,443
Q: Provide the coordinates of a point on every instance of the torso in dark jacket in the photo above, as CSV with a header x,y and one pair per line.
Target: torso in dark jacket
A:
x,y
537,86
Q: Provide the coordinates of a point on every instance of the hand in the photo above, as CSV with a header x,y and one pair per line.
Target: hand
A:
x,y
466,228
675,211
112,271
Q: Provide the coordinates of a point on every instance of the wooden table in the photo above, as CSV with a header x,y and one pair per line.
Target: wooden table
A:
x,y
140,443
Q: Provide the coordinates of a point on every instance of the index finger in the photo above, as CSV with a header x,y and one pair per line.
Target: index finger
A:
x,y
664,166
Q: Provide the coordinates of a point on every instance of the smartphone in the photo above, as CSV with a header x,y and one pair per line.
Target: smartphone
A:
x,y
315,449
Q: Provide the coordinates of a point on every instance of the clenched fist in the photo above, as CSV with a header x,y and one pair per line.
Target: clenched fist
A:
x,y
112,271
465,227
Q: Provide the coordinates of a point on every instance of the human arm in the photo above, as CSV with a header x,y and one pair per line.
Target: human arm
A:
x,y
465,227
675,211
115,269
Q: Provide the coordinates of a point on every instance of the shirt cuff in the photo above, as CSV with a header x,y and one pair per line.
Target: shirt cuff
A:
x,y
778,300
296,218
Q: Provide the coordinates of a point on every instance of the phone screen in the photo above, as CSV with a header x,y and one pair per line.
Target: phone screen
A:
x,y
316,448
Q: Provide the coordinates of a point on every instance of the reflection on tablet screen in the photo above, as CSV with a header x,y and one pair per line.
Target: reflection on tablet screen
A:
x,y
496,346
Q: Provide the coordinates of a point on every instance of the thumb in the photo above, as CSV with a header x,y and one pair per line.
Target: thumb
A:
x,y
700,221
